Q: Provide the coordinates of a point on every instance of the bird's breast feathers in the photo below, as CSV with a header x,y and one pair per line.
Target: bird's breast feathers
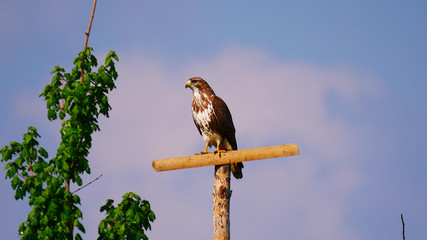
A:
x,y
203,110
205,119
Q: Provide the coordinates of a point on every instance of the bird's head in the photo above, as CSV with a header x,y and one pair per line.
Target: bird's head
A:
x,y
197,83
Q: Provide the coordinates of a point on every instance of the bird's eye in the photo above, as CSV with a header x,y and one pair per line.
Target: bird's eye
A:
x,y
193,81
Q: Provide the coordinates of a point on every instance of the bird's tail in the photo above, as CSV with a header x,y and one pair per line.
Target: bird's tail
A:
x,y
236,169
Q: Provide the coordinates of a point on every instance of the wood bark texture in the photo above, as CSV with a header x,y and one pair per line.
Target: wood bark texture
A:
x,y
221,202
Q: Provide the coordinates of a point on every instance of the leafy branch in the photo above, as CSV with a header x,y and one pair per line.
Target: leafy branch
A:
x,y
88,31
126,221
77,98
55,211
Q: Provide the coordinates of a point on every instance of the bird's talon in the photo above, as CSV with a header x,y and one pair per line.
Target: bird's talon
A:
x,y
220,151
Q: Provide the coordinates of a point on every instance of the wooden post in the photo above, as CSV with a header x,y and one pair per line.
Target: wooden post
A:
x,y
221,191
221,202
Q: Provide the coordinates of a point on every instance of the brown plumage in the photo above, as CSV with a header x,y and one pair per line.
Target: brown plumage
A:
x,y
213,120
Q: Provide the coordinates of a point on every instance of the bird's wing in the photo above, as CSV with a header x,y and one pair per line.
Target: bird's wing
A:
x,y
223,116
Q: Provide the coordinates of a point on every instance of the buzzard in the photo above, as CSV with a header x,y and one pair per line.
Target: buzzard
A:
x,y
213,120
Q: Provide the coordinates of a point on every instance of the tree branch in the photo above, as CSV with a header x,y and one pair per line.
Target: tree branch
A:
x,y
403,226
67,183
90,23
80,188
25,178
87,34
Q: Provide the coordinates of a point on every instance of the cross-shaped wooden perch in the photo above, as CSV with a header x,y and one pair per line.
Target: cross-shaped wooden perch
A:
x,y
222,192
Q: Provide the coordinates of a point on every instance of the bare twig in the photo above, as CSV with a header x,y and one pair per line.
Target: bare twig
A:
x,y
90,23
87,33
403,226
25,178
80,188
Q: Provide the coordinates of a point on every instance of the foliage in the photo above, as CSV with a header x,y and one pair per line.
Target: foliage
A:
x,y
78,104
31,174
126,221
76,98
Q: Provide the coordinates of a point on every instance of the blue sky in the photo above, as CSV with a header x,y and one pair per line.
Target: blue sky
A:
x,y
345,80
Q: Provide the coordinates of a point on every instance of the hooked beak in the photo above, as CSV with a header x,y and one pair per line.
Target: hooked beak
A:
x,y
188,84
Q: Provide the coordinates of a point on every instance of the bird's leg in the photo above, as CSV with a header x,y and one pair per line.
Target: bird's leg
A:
x,y
206,149
219,150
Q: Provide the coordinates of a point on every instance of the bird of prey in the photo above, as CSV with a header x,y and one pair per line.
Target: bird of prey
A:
x,y
213,120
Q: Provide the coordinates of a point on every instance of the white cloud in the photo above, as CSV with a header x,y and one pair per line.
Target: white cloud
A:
x,y
272,102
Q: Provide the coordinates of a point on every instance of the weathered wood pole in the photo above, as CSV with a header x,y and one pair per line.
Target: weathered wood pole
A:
x,y
221,191
221,202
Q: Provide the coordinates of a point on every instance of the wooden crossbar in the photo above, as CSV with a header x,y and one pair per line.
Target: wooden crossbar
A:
x,y
210,159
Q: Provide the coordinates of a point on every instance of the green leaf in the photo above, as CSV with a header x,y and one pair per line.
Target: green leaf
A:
x,y
126,195
20,160
129,213
107,61
55,69
94,61
19,194
51,115
87,51
101,227
31,214
80,227
107,206
151,216
78,237
15,146
43,152
122,229
16,181
61,115
143,236
27,138
79,181
115,56
44,220
79,64
76,200
6,154
12,170
33,129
